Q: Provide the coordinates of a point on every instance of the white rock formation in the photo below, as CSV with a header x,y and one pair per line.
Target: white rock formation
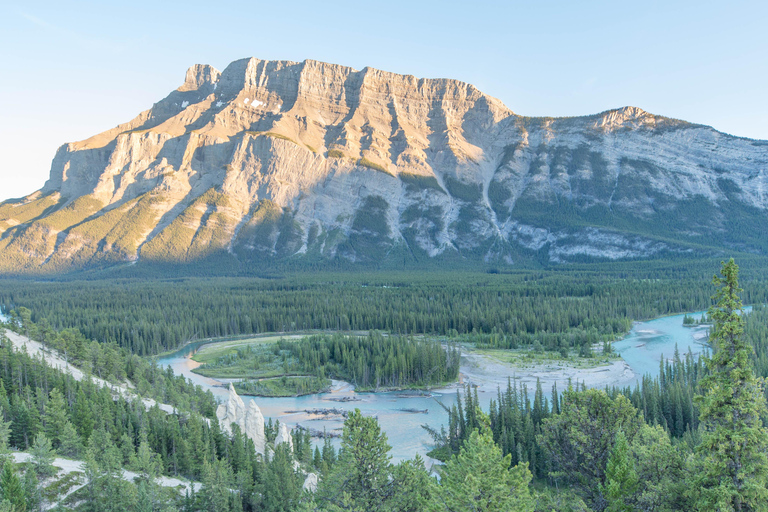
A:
x,y
310,483
254,423
249,419
284,436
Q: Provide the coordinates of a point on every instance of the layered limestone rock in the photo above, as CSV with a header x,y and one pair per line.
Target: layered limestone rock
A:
x,y
275,159
249,419
284,437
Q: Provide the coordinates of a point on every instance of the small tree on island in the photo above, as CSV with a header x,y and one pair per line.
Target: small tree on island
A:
x,y
733,467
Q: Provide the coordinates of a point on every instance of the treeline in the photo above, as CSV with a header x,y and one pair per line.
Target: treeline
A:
x,y
559,307
115,364
376,361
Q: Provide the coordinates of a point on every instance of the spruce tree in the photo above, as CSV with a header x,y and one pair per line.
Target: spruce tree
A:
x,y
55,416
480,478
360,480
734,468
620,476
11,488
43,456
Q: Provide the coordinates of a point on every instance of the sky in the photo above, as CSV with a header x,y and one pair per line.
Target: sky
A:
x,y
73,69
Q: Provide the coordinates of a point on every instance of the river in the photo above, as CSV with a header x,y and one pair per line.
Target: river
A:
x,y
642,349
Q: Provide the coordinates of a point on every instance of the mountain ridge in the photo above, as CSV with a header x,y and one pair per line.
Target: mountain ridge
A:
x,y
279,160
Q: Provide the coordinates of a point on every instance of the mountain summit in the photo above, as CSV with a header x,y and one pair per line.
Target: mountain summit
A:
x,y
275,160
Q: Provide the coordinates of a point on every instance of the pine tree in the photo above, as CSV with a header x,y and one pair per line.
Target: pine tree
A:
x,y
83,417
32,491
214,495
282,484
11,488
5,434
734,467
146,462
55,416
578,441
43,456
71,445
620,476
480,479
360,480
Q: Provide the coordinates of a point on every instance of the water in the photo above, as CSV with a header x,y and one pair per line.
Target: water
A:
x,y
647,342
642,349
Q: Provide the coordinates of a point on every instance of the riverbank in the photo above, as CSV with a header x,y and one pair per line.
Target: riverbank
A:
x,y
488,373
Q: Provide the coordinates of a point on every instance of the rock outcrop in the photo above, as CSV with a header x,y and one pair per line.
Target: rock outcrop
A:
x,y
249,419
284,437
310,483
269,160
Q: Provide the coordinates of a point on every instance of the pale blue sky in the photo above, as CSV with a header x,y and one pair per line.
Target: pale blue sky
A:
x,y
72,69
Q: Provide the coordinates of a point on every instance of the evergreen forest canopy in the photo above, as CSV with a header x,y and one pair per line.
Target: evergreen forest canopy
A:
x,y
569,307
692,438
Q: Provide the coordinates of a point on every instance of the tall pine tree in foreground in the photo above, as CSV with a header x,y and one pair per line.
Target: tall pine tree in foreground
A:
x,y
480,479
734,469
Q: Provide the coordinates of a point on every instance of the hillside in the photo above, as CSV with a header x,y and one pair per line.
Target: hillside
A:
x,y
275,161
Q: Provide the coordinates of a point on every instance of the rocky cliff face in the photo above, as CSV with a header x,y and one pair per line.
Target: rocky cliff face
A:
x,y
270,160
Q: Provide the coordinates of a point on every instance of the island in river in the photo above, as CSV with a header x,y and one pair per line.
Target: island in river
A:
x,y
298,366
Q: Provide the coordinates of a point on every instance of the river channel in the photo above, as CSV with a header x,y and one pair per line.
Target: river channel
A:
x,y
641,349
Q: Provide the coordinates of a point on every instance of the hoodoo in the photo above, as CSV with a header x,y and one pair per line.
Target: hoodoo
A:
x,y
250,420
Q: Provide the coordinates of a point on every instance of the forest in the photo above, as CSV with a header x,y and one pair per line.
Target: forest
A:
x,y
561,307
666,444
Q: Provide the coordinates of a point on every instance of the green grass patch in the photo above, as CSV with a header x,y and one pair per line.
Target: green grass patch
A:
x,y
273,135
373,165
212,352
284,386
336,153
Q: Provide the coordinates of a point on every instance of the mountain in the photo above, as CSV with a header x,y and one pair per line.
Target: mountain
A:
x,y
275,161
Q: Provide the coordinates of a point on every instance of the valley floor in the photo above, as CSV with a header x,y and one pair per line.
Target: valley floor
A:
x,y
489,370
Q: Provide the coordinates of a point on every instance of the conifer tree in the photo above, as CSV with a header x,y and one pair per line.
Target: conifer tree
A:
x,y
579,440
70,446
620,476
55,416
32,491
734,468
480,479
43,456
11,488
360,480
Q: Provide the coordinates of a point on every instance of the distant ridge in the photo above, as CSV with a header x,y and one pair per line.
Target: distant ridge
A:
x,y
311,163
